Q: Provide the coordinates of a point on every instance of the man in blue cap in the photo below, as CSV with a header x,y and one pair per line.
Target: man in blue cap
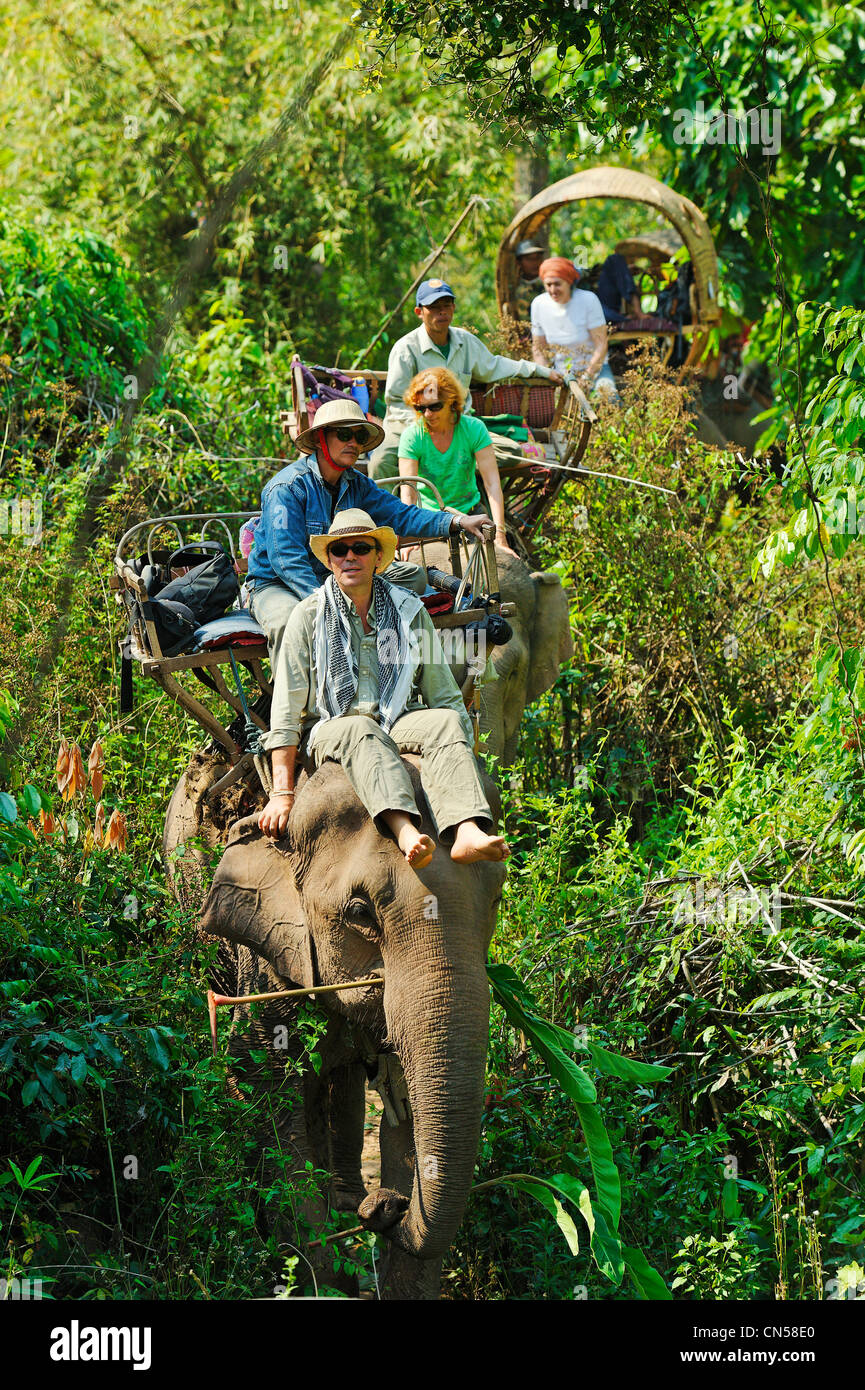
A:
x,y
436,343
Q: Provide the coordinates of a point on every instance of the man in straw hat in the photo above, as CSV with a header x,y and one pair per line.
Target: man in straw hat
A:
x,y
302,500
365,658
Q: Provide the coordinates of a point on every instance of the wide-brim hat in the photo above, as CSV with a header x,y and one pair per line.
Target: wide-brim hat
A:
x,y
331,416
354,524
525,248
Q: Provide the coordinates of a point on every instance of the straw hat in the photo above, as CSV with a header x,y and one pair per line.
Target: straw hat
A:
x,y
354,524
330,417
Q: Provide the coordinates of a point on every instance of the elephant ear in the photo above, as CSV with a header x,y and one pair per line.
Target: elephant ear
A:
x,y
254,902
550,634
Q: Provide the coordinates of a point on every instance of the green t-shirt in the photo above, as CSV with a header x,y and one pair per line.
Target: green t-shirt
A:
x,y
452,472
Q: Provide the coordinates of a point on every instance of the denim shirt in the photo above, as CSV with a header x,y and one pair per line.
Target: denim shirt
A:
x,y
297,504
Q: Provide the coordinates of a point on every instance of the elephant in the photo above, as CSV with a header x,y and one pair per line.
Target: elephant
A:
x,y
530,662
335,901
728,423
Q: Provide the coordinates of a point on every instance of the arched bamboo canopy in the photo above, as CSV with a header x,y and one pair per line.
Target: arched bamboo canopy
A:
x,y
657,246
631,186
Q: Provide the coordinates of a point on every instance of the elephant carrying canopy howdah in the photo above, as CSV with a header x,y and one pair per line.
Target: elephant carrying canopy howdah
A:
x,y
333,902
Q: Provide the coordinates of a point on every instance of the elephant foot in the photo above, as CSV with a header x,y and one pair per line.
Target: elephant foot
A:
x,y
382,1209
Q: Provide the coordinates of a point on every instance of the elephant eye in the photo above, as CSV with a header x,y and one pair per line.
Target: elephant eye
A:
x,y
359,914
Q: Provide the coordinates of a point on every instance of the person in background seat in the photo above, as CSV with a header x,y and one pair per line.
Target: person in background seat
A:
x,y
448,447
569,328
529,256
435,343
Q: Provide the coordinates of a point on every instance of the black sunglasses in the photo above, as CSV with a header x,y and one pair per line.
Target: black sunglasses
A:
x,y
345,433
342,548
437,405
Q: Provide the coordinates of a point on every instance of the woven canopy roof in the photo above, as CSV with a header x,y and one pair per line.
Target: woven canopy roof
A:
x,y
631,186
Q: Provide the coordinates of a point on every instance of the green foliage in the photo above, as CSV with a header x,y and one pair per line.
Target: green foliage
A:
x,y
669,783
826,464
159,112
67,313
616,59
601,1212
719,1269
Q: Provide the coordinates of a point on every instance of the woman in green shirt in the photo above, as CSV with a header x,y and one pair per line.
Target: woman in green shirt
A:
x,y
447,446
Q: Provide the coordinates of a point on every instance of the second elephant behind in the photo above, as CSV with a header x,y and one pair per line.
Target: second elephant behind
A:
x,y
527,665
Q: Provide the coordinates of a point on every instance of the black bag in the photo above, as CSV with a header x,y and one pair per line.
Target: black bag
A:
x,y
208,588
178,607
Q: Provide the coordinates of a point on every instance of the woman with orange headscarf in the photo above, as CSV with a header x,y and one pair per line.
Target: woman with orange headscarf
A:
x,y
569,329
448,447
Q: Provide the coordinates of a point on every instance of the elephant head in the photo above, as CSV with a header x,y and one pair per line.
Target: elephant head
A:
x,y
530,662
335,901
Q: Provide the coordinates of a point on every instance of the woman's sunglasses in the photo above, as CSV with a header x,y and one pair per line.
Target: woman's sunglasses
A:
x,y
345,433
341,548
436,405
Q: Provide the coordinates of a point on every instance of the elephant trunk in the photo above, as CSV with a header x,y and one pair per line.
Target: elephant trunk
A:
x,y
437,1009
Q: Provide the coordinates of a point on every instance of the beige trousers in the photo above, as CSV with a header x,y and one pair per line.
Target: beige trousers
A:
x,y
371,760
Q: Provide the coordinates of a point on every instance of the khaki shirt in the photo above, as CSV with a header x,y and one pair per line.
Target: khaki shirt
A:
x,y
463,354
294,698
525,292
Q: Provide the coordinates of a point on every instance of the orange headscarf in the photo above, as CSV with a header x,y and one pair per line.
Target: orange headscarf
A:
x,y
560,267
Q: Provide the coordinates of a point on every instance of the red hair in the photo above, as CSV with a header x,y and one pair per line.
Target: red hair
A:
x,y
450,392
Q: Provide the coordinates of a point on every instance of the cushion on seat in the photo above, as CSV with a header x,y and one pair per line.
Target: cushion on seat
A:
x,y
236,629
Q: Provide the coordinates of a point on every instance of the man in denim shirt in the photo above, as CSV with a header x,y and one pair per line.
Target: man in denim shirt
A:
x,y
303,499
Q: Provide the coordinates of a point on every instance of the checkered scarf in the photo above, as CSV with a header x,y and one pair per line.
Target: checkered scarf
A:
x,y
333,657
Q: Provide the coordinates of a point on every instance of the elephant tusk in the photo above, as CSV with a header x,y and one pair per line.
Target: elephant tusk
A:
x,y
215,1000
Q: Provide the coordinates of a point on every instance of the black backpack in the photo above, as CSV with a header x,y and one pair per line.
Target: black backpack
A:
x,y
208,588
178,607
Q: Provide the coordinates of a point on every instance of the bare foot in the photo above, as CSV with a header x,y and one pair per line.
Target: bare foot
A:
x,y
417,848
471,843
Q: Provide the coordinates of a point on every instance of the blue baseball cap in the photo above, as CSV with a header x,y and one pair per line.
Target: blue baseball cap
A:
x,y
431,290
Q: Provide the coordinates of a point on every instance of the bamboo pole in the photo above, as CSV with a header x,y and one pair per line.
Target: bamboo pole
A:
x,y
214,1001
427,266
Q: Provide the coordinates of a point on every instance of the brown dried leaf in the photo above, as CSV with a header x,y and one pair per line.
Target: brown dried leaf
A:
x,y
79,776
99,824
63,761
116,834
96,766
47,822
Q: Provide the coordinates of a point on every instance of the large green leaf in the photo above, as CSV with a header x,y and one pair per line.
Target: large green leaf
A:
x,y
606,1247
604,1168
648,1281
542,1193
613,1064
513,997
